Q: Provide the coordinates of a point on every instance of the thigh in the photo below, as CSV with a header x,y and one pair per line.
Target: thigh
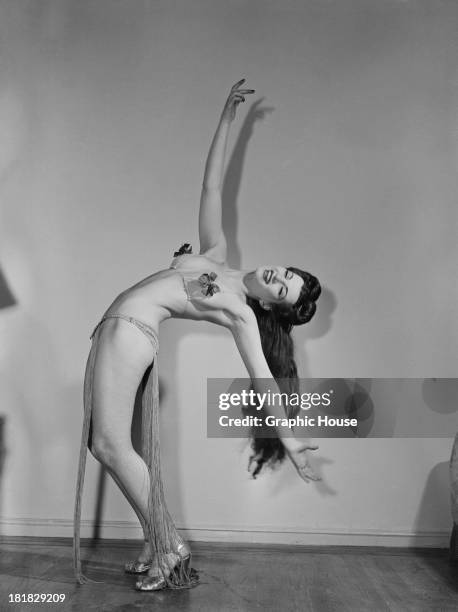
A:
x,y
123,353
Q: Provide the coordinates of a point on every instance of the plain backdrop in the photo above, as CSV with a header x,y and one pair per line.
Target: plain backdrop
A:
x,y
344,164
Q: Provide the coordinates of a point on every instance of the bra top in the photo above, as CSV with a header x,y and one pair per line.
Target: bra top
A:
x,y
198,284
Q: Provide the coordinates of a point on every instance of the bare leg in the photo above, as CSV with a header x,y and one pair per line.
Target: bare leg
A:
x,y
146,554
123,354
121,361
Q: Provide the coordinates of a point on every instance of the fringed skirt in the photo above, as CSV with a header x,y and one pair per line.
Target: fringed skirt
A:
x,y
165,541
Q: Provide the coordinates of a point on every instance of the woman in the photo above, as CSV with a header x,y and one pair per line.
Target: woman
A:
x,y
258,307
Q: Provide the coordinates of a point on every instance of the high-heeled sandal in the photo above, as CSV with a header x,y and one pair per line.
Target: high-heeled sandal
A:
x,y
159,582
141,567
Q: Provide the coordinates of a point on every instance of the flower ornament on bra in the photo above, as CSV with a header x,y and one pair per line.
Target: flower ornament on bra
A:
x,y
185,249
209,288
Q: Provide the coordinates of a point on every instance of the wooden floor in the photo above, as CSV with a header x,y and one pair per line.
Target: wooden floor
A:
x,y
236,577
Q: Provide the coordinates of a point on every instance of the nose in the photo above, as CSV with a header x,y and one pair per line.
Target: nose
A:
x,y
278,278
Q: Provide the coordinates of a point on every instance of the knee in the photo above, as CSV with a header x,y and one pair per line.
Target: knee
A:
x,y
104,450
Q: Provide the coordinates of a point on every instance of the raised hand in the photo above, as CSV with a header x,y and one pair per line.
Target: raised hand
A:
x,y
300,460
236,95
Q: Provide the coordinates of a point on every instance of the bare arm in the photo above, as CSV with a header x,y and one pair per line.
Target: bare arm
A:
x,y
212,240
246,335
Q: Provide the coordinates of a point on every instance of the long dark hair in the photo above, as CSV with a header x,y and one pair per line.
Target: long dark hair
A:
x,y
275,327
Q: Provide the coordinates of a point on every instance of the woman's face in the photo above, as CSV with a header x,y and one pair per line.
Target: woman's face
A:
x,y
277,285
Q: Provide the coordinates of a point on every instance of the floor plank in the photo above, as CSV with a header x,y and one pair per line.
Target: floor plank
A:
x,y
241,578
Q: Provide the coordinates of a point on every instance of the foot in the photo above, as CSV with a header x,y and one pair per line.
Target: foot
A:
x,y
155,580
142,563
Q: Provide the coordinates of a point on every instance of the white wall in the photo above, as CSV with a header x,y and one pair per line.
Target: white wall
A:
x,y
106,114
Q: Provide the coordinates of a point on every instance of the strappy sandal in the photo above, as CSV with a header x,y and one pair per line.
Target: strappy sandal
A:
x,y
159,582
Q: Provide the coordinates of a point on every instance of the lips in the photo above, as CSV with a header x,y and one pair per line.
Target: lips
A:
x,y
267,276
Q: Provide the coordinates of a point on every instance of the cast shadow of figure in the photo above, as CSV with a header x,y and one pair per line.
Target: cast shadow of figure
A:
x,y
231,187
440,394
321,324
354,399
7,300
318,327
233,180
350,398
435,504
2,455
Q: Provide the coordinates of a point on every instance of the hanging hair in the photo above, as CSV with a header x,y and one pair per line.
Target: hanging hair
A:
x,y
275,327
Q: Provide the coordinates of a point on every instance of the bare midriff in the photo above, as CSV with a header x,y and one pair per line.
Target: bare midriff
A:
x,y
153,299
166,294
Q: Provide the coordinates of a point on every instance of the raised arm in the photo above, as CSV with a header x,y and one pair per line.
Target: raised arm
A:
x,y
246,335
212,240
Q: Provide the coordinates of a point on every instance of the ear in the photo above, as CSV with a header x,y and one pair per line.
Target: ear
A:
x,y
265,305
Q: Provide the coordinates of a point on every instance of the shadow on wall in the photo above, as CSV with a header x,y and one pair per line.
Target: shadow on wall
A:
x,y
318,327
2,455
434,507
321,324
373,403
441,397
351,398
7,300
233,180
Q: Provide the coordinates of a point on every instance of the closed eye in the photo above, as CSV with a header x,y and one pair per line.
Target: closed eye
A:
x,y
284,291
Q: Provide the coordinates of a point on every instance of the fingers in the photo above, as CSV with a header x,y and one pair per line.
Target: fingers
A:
x,y
239,96
253,463
308,474
238,84
303,467
236,88
236,96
